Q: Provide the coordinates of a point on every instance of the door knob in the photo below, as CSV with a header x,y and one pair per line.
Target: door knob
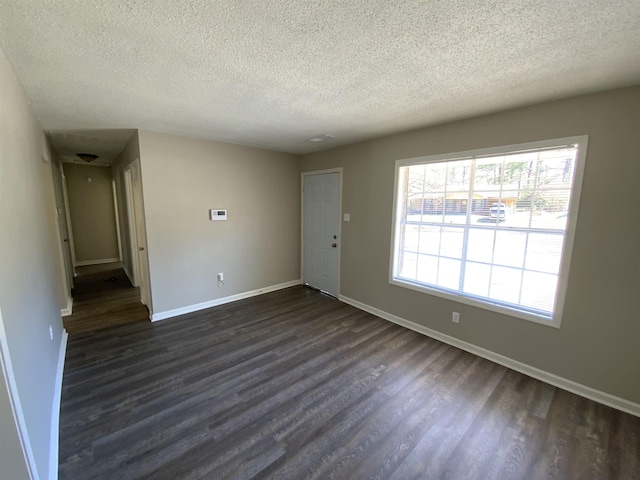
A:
x,y
141,248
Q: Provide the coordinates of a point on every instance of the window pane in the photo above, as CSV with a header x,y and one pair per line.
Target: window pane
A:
x,y
430,239
449,274
510,248
539,290
477,279
505,284
407,267
427,269
544,252
480,245
451,243
411,233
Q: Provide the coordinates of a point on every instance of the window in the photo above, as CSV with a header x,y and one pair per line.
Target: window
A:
x,y
491,228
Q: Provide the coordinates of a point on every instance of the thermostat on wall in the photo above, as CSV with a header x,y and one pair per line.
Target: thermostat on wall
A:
x,y
218,214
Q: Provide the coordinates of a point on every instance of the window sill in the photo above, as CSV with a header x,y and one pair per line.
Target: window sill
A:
x,y
501,309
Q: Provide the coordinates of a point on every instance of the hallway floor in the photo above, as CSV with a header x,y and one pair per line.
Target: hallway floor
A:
x,y
103,297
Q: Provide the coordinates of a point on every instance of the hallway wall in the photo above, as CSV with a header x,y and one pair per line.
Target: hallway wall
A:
x,y
93,219
28,294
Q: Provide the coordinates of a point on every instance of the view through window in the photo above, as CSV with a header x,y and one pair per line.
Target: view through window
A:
x,y
488,226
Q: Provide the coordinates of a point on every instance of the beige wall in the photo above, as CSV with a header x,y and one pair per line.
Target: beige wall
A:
x,y
92,213
258,246
28,294
597,345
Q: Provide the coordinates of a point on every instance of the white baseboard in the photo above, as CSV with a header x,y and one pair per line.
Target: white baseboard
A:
x,y
55,410
68,310
84,263
550,378
221,301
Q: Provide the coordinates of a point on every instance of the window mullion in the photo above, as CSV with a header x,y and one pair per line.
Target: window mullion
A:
x,y
465,236
444,212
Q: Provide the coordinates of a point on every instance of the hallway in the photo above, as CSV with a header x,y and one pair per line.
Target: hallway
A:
x,y
103,297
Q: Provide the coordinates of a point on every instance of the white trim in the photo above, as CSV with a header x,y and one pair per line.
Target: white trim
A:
x,y
84,263
68,310
485,305
542,375
66,277
55,410
16,405
131,227
117,216
221,301
339,171
67,213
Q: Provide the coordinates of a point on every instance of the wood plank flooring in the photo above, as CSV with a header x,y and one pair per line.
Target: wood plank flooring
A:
x,y
297,385
103,297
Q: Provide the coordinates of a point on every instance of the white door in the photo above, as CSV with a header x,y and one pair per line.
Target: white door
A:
x,y
320,231
132,256
141,233
67,219
63,227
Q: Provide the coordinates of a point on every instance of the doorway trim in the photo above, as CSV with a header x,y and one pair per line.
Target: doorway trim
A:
x,y
131,224
339,171
114,192
67,214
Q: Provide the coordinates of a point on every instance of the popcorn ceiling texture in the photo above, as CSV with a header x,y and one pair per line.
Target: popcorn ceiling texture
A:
x,y
274,73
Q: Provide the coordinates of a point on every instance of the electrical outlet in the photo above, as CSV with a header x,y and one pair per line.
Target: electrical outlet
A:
x,y
221,277
455,317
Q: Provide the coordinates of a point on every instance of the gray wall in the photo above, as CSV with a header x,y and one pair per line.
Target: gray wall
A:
x,y
28,294
258,246
597,344
92,213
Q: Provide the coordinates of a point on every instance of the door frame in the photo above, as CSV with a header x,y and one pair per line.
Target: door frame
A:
x,y
62,230
114,191
142,251
67,214
131,224
339,171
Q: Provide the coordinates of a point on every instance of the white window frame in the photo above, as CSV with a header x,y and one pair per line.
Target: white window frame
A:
x,y
572,216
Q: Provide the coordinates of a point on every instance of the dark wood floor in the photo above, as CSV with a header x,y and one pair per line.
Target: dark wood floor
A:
x,y
297,385
103,297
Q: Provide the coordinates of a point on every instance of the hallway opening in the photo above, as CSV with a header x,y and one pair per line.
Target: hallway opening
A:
x,y
103,297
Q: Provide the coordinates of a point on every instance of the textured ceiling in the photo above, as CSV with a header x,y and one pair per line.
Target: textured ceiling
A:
x,y
275,73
